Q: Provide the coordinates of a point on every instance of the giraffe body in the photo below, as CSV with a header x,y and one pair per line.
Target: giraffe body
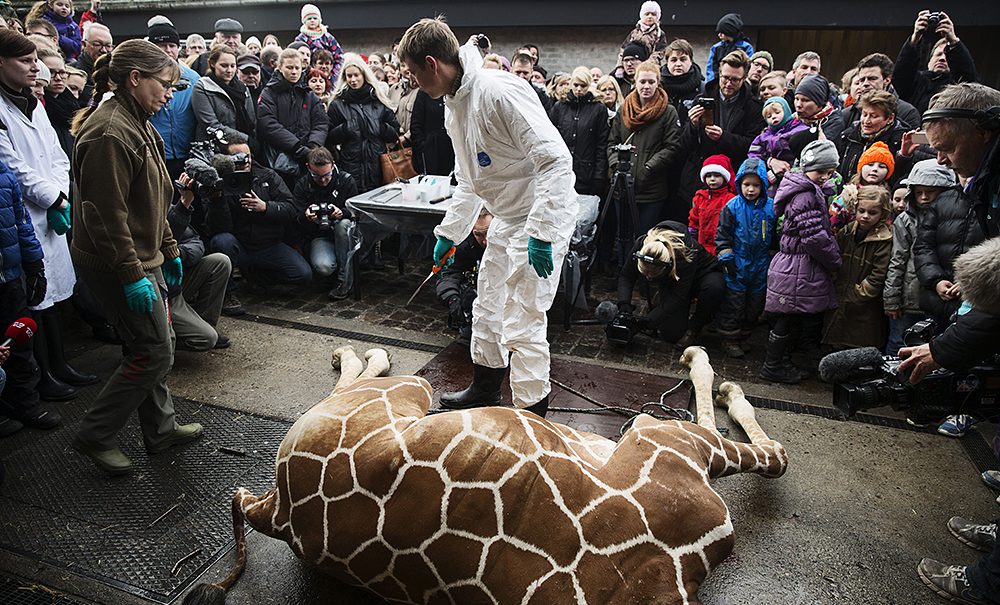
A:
x,y
497,505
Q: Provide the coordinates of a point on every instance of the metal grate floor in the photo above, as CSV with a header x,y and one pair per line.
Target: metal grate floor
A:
x,y
130,532
14,592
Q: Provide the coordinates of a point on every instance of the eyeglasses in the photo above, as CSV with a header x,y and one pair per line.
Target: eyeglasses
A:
x,y
630,60
731,79
168,85
59,73
317,175
107,45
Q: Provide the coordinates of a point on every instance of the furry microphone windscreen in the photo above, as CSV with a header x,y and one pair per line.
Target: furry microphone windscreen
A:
x,y
606,311
845,365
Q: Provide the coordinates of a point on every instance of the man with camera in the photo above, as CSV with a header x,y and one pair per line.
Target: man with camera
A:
x,y
950,60
324,220
248,220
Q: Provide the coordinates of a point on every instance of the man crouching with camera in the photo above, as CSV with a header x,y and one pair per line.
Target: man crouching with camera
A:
x,y
324,219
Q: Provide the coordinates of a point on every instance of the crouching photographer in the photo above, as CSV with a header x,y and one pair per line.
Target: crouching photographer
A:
x,y
325,221
677,270
456,286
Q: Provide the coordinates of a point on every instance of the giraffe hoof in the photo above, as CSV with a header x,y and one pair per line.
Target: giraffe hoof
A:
x,y
338,355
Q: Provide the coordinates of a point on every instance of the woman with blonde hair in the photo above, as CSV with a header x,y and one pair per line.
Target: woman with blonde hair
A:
x,y
583,124
558,87
610,94
679,270
124,250
361,123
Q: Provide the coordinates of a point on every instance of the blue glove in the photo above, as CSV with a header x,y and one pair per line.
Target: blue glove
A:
x,y
540,257
173,272
441,248
59,218
140,295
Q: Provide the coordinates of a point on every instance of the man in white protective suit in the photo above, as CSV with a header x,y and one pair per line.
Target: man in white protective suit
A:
x,y
511,159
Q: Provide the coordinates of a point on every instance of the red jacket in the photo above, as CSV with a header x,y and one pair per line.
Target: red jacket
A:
x,y
706,207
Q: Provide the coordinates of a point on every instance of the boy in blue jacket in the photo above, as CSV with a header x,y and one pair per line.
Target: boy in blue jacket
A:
x,y
743,241
731,37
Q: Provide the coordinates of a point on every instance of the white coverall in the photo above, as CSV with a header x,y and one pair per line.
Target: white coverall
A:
x,y
511,158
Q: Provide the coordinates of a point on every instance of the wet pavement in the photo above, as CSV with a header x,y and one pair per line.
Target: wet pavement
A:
x,y
857,509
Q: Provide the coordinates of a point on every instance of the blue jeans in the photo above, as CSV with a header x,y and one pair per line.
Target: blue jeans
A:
x,y
278,263
332,252
896,329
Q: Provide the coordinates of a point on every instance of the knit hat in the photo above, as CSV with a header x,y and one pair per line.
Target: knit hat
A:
x,y
44,74
815,88
763,54
821,154
635,49
717,164
930,174
731,25
650,7
779,100
158,19
252,40
311,10
163,33
878,152
228,26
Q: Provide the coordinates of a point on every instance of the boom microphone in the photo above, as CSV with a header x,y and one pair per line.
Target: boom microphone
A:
x,y
20,332
606,311
846,365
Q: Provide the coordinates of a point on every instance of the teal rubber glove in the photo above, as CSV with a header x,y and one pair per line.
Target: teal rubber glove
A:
x,y
441,248
540,257
139,296
59,218
173,272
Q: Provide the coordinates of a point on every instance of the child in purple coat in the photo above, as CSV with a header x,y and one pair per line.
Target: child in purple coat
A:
x,y
772,143
60,14
800,279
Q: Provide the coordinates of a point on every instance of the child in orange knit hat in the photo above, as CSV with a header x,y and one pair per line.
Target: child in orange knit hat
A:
x,y
875,167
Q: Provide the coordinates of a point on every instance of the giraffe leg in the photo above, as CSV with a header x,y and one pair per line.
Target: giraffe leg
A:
x,y
350,366
732,398
702,376
378,363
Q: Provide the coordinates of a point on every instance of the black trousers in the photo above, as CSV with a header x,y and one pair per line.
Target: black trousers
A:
x,y
984,576
673,315
20,396
740,310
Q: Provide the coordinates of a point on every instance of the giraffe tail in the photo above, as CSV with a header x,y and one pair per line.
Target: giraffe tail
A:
x,y
215,594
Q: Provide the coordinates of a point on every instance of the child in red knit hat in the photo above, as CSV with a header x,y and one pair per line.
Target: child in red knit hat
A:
x,y
717,175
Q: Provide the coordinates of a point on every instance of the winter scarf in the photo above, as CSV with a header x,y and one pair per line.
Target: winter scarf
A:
x,y
636,117
237,93
365,93
314,33
683,85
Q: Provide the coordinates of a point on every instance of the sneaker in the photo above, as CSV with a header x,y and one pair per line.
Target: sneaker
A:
x,y
222,342
980,536
689,339
232,307
340,292
732,349
9,426
113,461
919,423
991,478
184,433
41,418
949,581
956,425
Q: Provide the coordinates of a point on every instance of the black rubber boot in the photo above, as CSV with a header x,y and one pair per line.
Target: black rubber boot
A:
x,y
540,408
50,388
484,390
776,368
53,334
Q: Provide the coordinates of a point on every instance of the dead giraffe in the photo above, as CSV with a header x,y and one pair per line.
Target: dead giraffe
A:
x,y
497,505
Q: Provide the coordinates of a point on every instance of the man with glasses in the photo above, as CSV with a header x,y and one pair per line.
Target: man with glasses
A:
x,y
725,126
96,42
325,221
632,55
175,121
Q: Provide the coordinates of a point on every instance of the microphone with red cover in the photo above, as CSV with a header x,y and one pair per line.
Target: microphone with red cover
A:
x,y
20,332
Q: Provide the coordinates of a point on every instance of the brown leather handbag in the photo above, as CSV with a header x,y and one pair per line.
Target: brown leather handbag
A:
x,y
397,164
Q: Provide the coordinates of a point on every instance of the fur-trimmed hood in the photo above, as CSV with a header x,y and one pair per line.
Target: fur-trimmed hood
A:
x,y
978,273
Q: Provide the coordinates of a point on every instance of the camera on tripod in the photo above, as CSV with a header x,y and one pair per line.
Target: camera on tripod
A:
x,y
323,211
941,393
625,153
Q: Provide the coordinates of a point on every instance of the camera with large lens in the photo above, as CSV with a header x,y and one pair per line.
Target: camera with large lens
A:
x,y
323,211
622,329
942,392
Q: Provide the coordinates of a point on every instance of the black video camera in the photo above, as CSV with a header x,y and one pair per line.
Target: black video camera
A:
x,y
939,394
323,211
625,153
622,329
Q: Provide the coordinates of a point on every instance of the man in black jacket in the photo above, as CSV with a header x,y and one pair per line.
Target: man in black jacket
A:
x,y
250,229
735,121
875,73
332,233
456,286
972,339
950,62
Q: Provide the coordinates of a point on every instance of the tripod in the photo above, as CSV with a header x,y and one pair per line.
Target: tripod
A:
x,y
621,196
